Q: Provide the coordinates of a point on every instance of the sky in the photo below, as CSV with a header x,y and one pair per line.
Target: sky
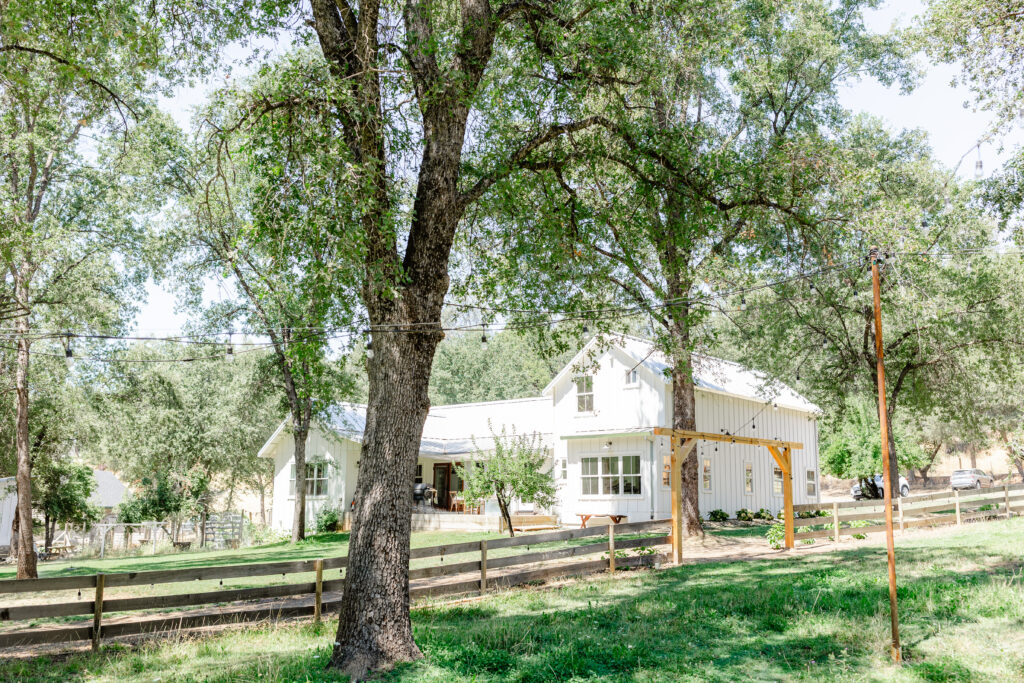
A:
x,y
953,126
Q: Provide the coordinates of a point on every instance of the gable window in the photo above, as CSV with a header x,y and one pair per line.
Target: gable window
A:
x,y
812,483
706,475
748,478
585,394
777,481
316,479
611,475
632,377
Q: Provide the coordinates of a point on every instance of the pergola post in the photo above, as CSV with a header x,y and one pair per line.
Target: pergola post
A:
x,y
676,483
787,495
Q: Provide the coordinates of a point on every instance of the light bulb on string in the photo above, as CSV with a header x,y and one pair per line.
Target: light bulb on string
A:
x,y
483,339
229,354
369,344
743,303
69,355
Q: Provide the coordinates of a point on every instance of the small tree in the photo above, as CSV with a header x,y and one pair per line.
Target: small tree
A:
x,y
515,469
63,492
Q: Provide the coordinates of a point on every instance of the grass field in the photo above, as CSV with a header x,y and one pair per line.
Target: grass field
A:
x,y
813,617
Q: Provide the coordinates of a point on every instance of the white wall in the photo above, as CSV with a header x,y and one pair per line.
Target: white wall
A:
x,y
341,475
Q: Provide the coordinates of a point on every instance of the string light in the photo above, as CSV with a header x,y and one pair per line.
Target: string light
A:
x,y
229,353
69,355
483,339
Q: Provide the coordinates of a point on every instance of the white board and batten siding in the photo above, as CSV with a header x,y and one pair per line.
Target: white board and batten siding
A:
x,y
340,470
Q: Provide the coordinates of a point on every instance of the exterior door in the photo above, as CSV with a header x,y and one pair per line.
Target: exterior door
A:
x,y
442,482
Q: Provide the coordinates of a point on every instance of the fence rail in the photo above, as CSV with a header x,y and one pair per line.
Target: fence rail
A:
x,y
929,509
324,591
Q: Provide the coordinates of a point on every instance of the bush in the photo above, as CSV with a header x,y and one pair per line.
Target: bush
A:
x,y
718,516
859,523
327,520
744,515
776,535
765,514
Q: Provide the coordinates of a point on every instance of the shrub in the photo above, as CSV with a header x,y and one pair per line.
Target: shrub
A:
x,y
744,515
765,514
718,516
327,520
806,514
860,523
776,536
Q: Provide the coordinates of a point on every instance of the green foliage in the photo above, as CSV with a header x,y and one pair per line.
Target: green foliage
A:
x,y
62,491
765,514
327,520
776,536
513,469
159,499
853,448
718,516
744,515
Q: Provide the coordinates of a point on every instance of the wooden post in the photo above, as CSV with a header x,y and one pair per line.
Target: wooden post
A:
x,y
887,475
677,502
483,567
835,521
318,600
1006,499
787,493
899,506
97,612
611,548
956,495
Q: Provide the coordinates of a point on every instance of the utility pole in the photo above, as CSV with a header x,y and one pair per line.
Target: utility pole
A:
x,y
884,423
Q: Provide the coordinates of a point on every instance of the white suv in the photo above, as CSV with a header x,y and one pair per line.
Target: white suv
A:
x,y
971,479
857,495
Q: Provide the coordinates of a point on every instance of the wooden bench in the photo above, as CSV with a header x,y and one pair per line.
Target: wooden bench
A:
x,y
584,518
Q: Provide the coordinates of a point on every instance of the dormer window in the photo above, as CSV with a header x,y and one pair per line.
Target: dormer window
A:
x,y
585,394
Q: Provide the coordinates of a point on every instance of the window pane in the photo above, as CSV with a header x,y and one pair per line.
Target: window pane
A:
x,y
631,464
610,465
666,470
707,475
589,466
748,478
777,481
631,485
812,484
590,486
610,485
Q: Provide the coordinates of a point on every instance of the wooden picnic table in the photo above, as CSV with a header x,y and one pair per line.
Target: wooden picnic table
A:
x,y
584,518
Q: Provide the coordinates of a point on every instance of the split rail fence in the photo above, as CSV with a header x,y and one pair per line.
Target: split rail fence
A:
x,y
930,509
469,576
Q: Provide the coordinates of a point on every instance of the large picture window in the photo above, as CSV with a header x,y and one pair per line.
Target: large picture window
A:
x,y
611,475
585,394
316,479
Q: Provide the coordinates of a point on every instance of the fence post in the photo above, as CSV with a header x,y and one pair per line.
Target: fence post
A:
x,y
956,495
318,600
899,506
483,567
835,521
97,612
1006,498
611,547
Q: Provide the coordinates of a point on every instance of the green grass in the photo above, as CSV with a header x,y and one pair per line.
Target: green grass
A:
x,y
808,618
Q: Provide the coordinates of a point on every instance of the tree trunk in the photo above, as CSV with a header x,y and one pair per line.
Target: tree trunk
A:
x,y
47,532
503,506
374,630
26,546
14,537
263,505
894,470
299,516
973,452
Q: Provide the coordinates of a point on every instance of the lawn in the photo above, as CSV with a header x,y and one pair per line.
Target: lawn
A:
x,y
813,617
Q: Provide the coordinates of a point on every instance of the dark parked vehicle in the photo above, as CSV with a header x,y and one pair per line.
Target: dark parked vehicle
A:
x,y
858,494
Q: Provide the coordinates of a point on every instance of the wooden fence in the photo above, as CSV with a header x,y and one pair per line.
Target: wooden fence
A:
x,y
474,578
930,509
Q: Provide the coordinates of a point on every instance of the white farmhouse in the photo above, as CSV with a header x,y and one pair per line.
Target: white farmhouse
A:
x,y
596,418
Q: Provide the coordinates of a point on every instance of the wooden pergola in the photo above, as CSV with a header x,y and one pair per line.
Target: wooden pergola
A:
x,y
684,441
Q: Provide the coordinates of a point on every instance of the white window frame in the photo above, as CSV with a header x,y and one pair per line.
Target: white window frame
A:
x,y
564,469
633,378
611,479
582,393
320,474
778,481
811,479
748,478
666,471
707,474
